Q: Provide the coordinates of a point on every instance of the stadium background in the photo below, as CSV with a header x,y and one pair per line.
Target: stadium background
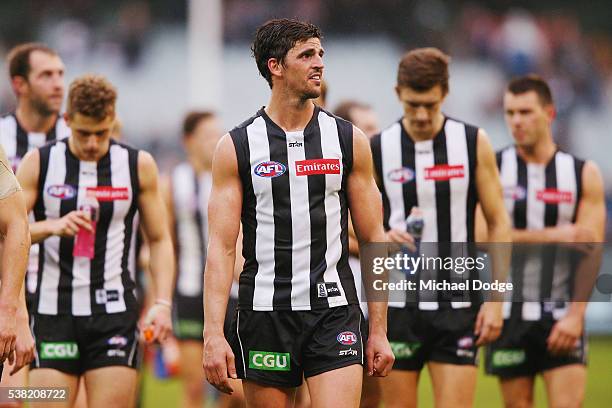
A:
x,y
167,56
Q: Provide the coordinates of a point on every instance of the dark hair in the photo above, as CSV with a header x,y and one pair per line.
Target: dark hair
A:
x,y
193,119
275,38
93,96
18,59
344,109
423,68
531,82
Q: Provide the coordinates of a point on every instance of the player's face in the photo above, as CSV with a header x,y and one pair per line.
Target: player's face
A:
x,y
303,68
526,117
422,110
90,137
45,84
204,139
366,120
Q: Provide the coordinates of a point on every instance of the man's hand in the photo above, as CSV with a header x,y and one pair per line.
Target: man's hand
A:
x,y
158,319
379,355
24,346
399,236
489,322
565,334
69,224
218,362
8,331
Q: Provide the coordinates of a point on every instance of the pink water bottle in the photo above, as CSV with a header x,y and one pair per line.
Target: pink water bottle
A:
x,y
84,244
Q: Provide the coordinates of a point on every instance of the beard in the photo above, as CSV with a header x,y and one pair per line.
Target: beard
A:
x,y
42,107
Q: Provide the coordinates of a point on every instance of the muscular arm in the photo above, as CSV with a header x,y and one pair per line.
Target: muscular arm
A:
x,y
155,226
15,235
223,225
489,320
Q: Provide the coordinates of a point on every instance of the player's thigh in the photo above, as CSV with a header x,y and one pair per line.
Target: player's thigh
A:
x,y
265,396
517,392
371,393
81,397
19,379
399,389
48,377
565,385
340,387
236,400
191,360
453,385
110,386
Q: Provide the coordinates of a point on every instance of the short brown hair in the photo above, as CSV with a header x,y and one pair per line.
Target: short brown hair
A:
x,y
344,109
423,68
531,82
18,59
93,96
193,119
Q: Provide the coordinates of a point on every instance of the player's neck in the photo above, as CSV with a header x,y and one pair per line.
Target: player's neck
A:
x,y
289,112
540,153
74,149
198,165
416,136
33,121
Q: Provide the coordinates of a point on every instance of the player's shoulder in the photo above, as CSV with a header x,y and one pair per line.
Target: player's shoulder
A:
x,y
393,130
579,161
7,116
471,130
8,123
116,145
245,124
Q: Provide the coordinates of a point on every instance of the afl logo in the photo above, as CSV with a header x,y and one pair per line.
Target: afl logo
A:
x,y
516,193
270,169
401,175
61,191
347,338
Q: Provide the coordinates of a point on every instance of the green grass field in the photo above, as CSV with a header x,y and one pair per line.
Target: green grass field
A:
x,y
598,395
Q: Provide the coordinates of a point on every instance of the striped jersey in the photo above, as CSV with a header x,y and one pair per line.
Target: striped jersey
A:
x,y
295,213
77,285
16,141
190,194
539,196
438,176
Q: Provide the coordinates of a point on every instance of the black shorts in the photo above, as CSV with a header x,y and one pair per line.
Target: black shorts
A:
x,y
443,336
188,317
75,344
278,348
521,350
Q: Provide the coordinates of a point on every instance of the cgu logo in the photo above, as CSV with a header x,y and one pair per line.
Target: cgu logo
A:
x,y
269,361
61,191
270,169
347,338
401,175
59,351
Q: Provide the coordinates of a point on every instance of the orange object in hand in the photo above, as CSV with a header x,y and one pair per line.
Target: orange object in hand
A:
x,y
148,334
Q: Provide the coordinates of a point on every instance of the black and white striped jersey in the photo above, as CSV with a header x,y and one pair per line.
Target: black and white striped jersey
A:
x,y
539,196
295,213
77,285
16,141
190,194
438,176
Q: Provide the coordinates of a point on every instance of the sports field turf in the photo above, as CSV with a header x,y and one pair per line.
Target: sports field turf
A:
x,y
598,395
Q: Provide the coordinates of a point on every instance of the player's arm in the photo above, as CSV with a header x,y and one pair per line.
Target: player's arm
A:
x,y
590,222
155,226
67,226
489,320
365,205
165,186
224,209
14,257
